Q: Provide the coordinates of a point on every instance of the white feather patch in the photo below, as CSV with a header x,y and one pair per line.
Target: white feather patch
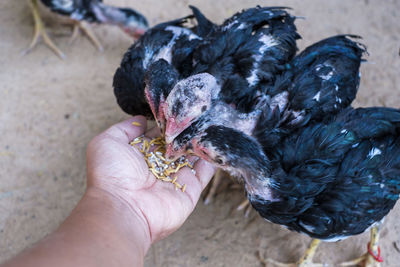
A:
x,y
268,42
374,152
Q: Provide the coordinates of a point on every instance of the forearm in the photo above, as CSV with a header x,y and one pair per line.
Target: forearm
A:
x,y
101,231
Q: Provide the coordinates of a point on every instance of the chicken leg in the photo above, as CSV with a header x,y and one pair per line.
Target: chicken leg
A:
x,y
40,31
305,261
373,257
214,186
370,259
245,205
81,25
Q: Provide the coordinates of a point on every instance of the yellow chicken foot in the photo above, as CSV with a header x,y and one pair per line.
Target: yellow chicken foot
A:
x,y
214,186
373,257
305,261
40,31
85,28
245,205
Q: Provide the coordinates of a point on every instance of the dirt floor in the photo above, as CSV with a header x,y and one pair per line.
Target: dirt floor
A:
x,y
50,109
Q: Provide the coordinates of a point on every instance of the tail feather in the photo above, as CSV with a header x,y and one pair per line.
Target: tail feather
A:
x,y
254,17
371,122
335,45
204,25
324,78
175,22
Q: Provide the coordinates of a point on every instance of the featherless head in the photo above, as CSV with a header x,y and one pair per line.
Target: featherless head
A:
x,y
183,143
159,80
178,148
187,101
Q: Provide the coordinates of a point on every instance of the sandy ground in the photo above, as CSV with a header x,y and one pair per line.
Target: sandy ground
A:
x,y
50,109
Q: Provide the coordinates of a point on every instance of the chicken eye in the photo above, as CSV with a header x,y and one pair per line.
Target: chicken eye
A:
x,y
203,108
219,160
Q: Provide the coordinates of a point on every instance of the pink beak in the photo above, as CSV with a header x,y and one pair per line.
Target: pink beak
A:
x,y
135,33
169,153
171,131
138,33
172,155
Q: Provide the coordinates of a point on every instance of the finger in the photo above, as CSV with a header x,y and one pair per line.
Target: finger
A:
x,y
149,135
196,180
153,132
128,130
204,172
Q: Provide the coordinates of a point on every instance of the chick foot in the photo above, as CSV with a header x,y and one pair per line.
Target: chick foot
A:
x,y
245,205
85,28
373,257
40,31
305,261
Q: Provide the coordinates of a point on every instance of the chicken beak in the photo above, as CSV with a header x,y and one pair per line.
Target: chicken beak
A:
x,y
135,33
170,139
171,131
138,33
169,153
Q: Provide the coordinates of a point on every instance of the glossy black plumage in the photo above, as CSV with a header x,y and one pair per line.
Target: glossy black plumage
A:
x,y
330,180
247,51
338,178
292,99
156,44
261,41
76,8
324,78
96,11
318,83
244,55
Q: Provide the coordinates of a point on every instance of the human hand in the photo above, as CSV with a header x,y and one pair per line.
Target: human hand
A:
x,y
116,168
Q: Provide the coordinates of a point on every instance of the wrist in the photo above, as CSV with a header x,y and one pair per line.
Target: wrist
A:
x,y
119,221
101,231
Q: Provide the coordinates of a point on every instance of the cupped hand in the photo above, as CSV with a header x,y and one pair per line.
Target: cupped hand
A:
x,y
118,169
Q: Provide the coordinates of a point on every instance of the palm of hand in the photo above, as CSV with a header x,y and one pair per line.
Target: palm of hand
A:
x,y
119,169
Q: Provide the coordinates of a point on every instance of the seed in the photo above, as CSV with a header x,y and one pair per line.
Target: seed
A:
x,y
135,123
157,163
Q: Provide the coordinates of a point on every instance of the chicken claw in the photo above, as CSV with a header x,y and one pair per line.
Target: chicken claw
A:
x,y
245,205
85,28
373,257
40,31
305,261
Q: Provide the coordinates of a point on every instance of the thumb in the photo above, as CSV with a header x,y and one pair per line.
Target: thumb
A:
x,y
127,130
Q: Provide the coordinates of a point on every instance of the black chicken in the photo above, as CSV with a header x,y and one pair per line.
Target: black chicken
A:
x,y
224,51
329,180
236,62
152,66
239,56
132,22
317,83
